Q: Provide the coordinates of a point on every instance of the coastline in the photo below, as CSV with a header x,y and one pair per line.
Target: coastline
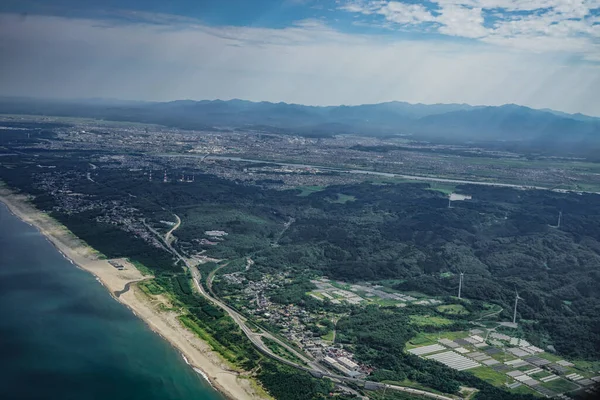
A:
x,y
195,352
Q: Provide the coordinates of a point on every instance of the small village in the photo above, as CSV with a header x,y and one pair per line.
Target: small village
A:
x,y
314,332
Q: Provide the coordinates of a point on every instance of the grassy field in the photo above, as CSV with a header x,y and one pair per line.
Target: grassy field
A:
x,y
150,287
523,389
489,375
587,365
308,190
446,188
216,346
550,357
424,338
428,320
502,357
452,309
540,374
281,351
328,337
586,369
491,312
141,267
343,286
560,385
412,384
319,295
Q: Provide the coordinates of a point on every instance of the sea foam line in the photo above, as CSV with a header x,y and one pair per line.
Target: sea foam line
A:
x,y
198,370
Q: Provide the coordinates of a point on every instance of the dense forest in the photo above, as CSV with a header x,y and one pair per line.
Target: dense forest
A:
x,y
503,239
405,233
379,336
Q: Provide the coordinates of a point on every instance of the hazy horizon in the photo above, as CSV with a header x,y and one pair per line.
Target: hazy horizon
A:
x,y
126,100
540,54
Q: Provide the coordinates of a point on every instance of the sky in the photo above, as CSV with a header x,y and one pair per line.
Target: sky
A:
x,y
539,53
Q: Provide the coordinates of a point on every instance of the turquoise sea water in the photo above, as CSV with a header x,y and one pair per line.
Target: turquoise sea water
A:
x,y
62,336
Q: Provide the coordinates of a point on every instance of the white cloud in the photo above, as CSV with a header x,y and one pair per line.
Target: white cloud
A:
x,y
537,25
363,6
401,13
307,63
462,21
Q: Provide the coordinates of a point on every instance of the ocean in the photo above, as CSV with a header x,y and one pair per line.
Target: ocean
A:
x,y
62,336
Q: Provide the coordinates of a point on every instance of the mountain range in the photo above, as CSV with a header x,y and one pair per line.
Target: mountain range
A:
x,y
524,127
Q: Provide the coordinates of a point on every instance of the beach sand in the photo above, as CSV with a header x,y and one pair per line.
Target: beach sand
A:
x,y
196,352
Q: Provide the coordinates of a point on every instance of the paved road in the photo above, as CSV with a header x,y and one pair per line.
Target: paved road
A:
x,y
312,366
255,337
169,235
366,172
212,296
168,245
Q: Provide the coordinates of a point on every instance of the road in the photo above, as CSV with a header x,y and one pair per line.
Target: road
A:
x,y
367,172
313,367
169,235
168,245
490,314
255,338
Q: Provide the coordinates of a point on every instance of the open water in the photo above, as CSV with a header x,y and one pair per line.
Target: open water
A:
x,y
62,336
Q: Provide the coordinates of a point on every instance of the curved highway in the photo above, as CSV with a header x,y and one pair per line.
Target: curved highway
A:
x,y
169,236
311,367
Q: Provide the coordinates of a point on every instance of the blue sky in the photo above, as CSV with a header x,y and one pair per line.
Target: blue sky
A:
x,y
265,13
542,53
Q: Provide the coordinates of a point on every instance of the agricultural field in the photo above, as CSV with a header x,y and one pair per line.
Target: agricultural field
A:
x,y
560,385
494,364
491,376
429,320
452,309
428,338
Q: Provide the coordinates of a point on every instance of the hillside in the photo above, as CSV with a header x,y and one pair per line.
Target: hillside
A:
x,y
524,128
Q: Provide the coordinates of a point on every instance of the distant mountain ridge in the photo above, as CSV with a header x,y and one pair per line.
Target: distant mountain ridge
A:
x,y
539,129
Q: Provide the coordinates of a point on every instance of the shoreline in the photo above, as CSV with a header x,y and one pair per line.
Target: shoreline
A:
x,y
196,353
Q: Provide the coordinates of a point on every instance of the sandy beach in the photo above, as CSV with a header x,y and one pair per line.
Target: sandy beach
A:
x,y
196,352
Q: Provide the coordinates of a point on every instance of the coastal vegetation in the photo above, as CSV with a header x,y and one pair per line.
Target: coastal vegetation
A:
x,y
403,236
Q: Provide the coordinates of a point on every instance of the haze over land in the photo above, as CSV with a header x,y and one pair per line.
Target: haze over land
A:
x,y
542,54
406,202
505,127
298,258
